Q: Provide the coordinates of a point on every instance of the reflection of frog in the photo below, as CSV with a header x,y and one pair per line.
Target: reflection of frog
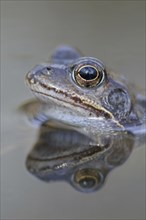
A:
x,y
89,118
63,154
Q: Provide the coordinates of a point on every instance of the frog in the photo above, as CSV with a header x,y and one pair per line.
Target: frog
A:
x,y
89,119
80,92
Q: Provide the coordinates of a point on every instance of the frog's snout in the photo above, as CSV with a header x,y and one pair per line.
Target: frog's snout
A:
x,y
33,75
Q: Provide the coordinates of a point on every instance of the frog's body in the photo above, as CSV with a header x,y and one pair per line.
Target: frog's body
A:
x,y
85,112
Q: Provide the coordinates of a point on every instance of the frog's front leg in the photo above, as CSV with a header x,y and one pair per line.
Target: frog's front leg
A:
x,y
40,113
34,112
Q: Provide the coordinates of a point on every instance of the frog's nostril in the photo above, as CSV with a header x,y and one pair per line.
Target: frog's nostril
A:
x,y
48,68
38,71
44,71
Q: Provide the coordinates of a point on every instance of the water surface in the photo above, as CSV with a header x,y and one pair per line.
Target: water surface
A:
x,y
112,31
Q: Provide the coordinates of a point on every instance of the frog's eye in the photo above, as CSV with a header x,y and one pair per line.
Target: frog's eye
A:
x,y
88,75
87,180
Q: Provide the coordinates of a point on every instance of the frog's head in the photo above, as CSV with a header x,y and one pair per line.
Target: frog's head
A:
x,y
81,85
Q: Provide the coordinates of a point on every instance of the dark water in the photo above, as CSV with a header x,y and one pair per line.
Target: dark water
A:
x,y
111,31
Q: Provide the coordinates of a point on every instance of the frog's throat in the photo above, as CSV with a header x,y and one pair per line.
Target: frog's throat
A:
x,y
78,101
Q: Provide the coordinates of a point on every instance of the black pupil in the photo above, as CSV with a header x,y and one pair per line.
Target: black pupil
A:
x,y
88,73
87,182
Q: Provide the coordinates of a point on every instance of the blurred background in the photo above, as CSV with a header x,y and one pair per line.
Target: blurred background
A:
x,y
112,31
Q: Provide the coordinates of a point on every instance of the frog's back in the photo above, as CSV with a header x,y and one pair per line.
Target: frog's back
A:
x,y
65,54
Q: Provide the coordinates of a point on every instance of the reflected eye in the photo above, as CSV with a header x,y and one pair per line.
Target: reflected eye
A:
x,y
87,180
88,75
